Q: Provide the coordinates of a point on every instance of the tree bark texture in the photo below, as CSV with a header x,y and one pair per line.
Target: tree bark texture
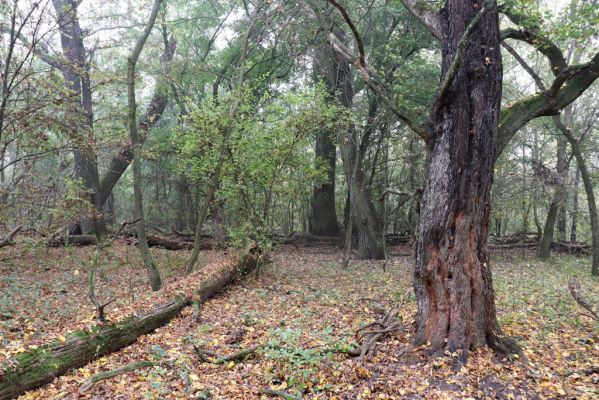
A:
x,y
323,217
75,71
32,369
340,85
452,278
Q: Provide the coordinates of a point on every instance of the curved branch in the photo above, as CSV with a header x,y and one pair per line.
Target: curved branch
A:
x,y
540,43
426,14
567,87
156,107
360,63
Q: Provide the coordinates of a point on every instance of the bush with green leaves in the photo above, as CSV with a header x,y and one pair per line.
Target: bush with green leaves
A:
x,y
269,157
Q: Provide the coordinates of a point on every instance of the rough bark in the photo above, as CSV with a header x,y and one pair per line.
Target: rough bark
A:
x,y
35,368
323,218
75,71
339,83
452,277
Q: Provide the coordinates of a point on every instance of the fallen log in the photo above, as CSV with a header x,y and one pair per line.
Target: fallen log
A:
x,y
32,369
562,247
75,240
168,243
572,248
8,239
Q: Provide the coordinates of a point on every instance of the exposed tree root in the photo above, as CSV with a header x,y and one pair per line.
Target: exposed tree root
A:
x,y
204,355
76,240
115,372
505,346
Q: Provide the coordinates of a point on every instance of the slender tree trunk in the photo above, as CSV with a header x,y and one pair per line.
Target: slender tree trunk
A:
x,y
574,215
562,172
588,188
452,277
217,211
136,143
549,229
203,213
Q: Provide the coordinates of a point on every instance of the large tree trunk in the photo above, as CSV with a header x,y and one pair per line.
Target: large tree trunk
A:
x,y
339,83
452,277
75,71
35,368
323,218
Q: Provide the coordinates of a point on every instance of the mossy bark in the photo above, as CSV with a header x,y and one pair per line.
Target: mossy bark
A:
x,y
35,368
32,369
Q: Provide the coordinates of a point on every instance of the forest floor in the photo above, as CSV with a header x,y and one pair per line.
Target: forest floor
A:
x,y
303,302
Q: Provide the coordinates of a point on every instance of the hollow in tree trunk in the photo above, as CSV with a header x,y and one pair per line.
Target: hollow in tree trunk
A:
x,y
452,278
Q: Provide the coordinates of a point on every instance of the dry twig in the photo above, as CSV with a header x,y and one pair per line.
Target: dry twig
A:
x,y
584,303
370,337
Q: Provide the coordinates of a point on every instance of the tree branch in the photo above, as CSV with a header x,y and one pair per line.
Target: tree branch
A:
x,y
567,87
455,63
360,63
7,240
525,66
426,14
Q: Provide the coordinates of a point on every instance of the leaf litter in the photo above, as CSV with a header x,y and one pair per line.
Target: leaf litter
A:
x,y
302,305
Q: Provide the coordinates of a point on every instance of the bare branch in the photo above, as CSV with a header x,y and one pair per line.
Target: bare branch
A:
x,y
8,239
584,303
360,63
524,64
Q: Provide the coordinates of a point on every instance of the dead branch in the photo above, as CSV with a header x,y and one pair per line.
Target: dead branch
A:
x,y
370,337
584,303
203,354
8,239
115,372
279,393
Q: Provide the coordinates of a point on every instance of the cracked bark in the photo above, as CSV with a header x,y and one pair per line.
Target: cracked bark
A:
x,y
452,277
